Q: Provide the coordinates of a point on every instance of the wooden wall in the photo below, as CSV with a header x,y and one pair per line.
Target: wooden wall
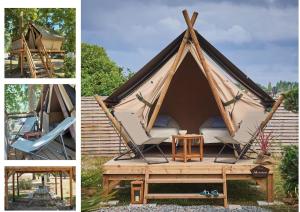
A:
x,y
99,137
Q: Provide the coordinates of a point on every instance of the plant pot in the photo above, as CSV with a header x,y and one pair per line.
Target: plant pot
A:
x,y
264,159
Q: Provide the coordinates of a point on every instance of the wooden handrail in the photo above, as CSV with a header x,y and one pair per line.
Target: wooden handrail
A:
x,y
30,62
43,52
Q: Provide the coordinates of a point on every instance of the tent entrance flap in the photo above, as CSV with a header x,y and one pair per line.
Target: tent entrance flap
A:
x,y
189,99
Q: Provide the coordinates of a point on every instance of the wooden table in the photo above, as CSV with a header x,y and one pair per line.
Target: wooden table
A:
x,y
187,146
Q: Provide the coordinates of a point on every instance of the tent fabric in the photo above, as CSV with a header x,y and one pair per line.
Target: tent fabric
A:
x,y
158,61
47,34
189,99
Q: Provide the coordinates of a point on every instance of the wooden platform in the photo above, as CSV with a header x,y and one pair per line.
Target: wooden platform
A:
x,y
178,172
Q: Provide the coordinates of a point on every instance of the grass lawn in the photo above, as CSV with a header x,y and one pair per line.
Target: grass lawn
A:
x,y
239,192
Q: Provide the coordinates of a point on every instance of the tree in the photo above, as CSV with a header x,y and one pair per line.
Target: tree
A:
x,y
60,20
99,74
291,100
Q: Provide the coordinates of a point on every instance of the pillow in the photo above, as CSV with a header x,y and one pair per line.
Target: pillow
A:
x,y
214,122
162,121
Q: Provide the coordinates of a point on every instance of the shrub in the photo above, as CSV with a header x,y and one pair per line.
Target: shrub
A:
x,y
291,100
289,170
25,184
69,67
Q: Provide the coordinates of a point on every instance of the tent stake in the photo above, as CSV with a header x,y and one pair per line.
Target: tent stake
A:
x,y
208,74
170,75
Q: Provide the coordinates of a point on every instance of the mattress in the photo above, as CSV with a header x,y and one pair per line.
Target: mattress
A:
x,y
209,134
163,132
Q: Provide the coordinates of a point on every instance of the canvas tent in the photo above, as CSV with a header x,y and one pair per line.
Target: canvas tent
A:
x,y
201,85
57,102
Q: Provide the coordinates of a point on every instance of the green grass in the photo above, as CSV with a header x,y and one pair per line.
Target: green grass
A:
x,y
239,192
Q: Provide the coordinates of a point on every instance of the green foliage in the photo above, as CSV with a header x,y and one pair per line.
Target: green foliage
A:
x,y
69,67
280,87
25,184
61,20
291,101
289,170
17,97
91,183
99,74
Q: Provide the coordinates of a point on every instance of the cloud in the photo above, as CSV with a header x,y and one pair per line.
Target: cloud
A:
x,y
134,31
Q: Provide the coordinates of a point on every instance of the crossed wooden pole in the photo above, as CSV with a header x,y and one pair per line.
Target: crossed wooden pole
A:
x,y
190,33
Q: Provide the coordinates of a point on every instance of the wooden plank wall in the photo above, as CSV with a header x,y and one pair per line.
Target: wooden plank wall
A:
x,y
98,136
284,126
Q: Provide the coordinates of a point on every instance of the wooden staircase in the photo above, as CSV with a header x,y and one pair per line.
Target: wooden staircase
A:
x,y
35,69
185,179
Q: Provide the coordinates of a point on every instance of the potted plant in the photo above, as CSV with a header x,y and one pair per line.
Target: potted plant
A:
x,y
264,140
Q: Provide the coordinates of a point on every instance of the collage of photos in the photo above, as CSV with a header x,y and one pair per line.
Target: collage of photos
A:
x,y
149,106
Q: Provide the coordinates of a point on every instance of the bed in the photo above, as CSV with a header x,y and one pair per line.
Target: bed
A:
x,y
213,127
165,126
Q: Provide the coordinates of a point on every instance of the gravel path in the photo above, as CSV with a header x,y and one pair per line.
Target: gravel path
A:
x,y
176,208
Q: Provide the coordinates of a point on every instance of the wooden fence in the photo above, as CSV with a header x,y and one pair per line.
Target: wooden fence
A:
x,y
99,138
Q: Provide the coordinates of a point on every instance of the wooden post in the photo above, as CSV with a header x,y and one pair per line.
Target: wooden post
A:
x,y
273,110
18,187
209,78
21,61
225,188
13,187
6,189
61,187
171,73
114,121
270,188
71,186
105,185
55,178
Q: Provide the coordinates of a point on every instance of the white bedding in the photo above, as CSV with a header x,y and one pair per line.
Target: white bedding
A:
x,y
157,132
209,134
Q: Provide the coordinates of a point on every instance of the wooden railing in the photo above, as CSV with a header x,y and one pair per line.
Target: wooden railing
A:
x,y
46,60
29,58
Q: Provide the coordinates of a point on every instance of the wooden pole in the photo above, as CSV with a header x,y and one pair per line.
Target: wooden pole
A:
x,y
18,187
209,77
271,113
71,187
171,73
6,189
13,187
55,178
114,121
61,187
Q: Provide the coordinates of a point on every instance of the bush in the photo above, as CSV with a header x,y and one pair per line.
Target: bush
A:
x,y
291,100
69,67
25,184
289,170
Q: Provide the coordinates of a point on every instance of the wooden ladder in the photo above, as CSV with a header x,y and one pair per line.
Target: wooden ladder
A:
x,y
31,65
220,179
45,58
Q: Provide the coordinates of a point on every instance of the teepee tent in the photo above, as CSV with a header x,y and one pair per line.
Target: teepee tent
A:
x,y
192,82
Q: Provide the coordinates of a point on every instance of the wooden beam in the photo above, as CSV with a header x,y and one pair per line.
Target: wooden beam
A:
x,y
61,187
55,178
6,189
209,77
114,121
71,187
18,185
170,75
13,187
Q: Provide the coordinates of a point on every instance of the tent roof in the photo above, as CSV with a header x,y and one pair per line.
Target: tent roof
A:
x,y
151,67
46,33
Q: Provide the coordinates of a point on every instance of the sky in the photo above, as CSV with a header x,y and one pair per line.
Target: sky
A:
x,y
258,36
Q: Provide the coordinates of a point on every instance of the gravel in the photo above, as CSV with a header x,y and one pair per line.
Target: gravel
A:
x,y
177,208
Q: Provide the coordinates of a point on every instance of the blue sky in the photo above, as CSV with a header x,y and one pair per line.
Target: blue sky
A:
x,y
259,36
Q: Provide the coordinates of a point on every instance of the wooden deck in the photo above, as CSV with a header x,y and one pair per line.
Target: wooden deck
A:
x,y
54,151
179,172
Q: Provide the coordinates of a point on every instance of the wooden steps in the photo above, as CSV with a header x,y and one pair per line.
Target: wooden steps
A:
x,y
204,178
